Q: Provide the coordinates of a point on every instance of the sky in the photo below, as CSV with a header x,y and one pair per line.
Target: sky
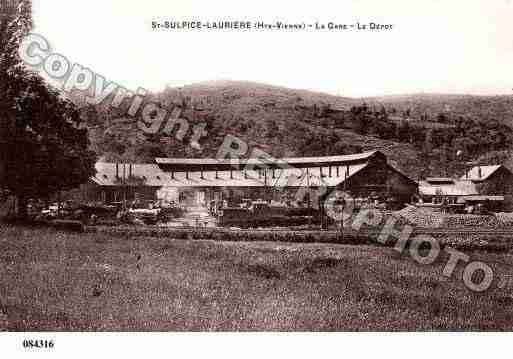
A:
x,y
449,46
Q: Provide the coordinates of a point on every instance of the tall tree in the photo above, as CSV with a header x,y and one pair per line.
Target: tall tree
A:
x,y
42,147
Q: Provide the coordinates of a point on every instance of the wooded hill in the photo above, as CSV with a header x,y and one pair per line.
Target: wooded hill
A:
x,y
421,134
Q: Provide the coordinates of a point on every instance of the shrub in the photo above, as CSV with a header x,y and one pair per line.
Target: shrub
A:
x,y
222,234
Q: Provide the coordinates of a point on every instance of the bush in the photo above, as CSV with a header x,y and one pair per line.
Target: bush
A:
x,y
221,234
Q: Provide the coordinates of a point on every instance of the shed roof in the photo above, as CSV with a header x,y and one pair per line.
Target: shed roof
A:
x,y
457,188
484,198
149,174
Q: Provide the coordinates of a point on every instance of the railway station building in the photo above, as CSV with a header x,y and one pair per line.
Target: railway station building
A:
x,y
299,181
492,185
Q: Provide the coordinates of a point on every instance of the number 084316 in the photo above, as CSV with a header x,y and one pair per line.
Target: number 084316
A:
x,y
38,344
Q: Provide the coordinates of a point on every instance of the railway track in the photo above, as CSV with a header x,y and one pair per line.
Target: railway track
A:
x,y
455,231
465,238
376,232
475,230
363,232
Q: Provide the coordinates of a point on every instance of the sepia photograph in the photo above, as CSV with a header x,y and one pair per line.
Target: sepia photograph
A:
x,y
255,167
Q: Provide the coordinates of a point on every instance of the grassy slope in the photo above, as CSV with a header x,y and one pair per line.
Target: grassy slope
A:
x,y
264,115
57,281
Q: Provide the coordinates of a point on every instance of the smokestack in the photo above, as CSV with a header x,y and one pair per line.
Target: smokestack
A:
x,y
117,170
479,172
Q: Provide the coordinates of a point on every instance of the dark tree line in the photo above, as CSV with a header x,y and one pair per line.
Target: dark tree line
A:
x,y
444,144
43,148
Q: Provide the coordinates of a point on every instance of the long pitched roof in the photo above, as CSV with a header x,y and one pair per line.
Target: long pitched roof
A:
x,y
152,175
181,163
292,172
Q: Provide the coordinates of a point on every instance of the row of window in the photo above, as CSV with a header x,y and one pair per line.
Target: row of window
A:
x,y
328,172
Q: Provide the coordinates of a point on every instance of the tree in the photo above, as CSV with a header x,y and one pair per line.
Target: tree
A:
x,y
441,118
43,148
404,131
495,158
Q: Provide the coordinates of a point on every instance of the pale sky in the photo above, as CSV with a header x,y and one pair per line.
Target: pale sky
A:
x,y
455,46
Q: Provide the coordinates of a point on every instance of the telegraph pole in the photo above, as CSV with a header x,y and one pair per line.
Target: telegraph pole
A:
x,y
309,199
124,186
346,175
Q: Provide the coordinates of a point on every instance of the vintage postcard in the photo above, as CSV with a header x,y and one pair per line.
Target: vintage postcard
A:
x,y
246,167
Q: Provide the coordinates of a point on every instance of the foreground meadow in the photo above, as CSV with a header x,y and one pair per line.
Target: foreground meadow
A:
x,y
53,281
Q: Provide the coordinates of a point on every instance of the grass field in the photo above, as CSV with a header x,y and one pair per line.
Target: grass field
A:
x,y
60,281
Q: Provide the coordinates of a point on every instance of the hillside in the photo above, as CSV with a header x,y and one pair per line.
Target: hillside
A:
x,y
483,107
419,133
